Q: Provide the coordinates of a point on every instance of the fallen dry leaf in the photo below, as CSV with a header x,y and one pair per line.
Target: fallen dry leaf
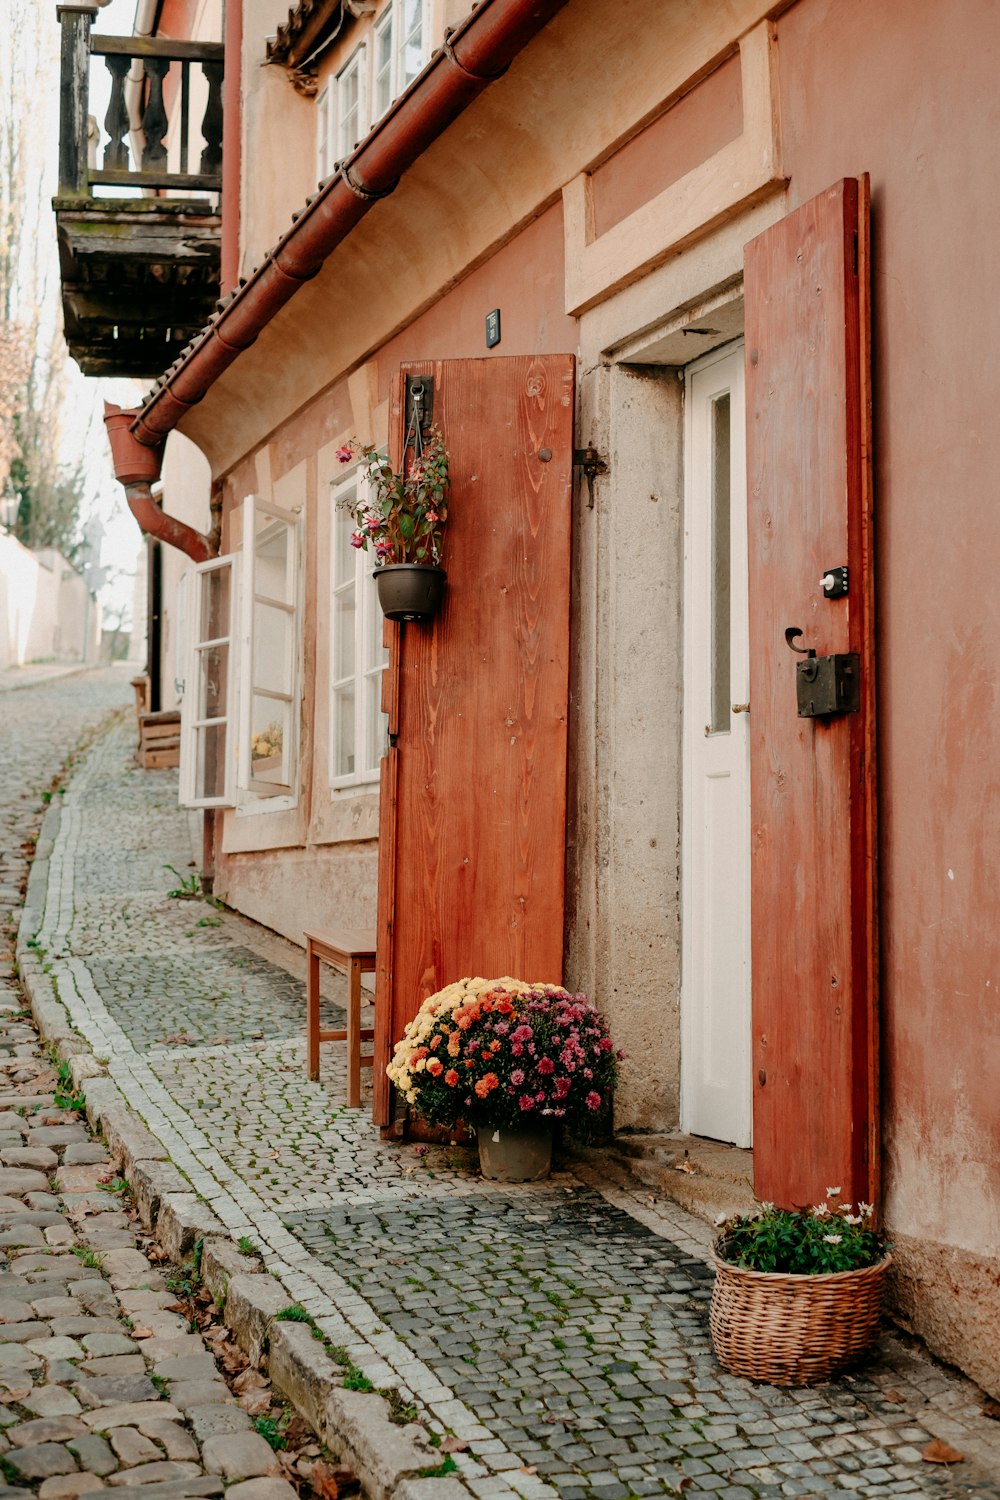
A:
x,y
249,1380
683,1166
256,1402
232,1359
894,1396
453,1445
992,1409
939,1452
141,1333
298,1433
529,1468
324,1482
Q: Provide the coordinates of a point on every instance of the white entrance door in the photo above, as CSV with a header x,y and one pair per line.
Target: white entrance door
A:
x,y
715,849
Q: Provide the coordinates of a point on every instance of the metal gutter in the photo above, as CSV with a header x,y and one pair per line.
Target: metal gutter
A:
x,y
137,469
476,53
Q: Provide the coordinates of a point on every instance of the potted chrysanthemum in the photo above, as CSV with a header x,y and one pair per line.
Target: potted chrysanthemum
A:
x,y
512,1060
401,516
798,1292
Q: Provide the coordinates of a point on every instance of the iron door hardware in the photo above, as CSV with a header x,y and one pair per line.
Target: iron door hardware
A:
x,y
825,685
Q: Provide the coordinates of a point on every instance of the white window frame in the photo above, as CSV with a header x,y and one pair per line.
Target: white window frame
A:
x,y
254,794
392,18
191,723
367,628
344,144
325,157
332,142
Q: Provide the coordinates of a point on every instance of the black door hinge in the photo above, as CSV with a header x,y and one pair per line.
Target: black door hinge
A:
x,y
592,464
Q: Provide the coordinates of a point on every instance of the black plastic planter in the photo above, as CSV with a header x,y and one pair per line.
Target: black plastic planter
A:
x,y
410,591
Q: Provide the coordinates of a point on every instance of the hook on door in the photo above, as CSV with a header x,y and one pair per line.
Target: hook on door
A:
x,y
790,635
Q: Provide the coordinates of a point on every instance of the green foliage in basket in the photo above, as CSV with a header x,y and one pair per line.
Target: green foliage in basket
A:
x,y
806,1241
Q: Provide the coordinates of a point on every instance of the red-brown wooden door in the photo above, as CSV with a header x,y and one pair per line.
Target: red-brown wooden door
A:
x,y
812,781
473,809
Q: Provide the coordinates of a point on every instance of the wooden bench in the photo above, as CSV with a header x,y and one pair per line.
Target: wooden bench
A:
x,y
353,953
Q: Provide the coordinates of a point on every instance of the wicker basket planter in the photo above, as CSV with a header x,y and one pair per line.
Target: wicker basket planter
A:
x,y
793,1330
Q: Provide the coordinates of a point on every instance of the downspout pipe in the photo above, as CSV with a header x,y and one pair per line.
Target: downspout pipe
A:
x,y
137,469
475,54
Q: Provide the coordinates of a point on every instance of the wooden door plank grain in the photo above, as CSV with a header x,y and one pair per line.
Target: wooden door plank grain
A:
x,y
814,950
480,808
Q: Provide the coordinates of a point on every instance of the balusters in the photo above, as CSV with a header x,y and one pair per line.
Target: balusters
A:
x,y
116,119
82,162
154,118
211,125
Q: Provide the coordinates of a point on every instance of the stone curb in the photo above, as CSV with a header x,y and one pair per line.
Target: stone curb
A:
x,y
355,1425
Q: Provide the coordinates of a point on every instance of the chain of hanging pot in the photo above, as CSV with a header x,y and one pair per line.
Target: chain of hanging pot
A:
x,y
414,428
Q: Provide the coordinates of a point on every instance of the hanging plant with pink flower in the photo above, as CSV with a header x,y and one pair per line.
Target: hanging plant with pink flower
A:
x,y
401,516
502,1053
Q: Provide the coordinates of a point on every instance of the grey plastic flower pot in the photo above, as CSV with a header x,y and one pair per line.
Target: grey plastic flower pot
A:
x,y
410,591
509,1154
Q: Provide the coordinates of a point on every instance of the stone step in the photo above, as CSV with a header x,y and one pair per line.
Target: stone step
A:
x,y
708,1178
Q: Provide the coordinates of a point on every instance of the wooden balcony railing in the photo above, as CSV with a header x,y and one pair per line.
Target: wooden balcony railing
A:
x,y
76,177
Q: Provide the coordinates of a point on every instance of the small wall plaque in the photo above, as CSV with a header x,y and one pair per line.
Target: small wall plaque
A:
x,y
493,328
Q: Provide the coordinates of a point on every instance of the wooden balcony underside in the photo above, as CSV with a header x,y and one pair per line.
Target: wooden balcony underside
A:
x,y
139,279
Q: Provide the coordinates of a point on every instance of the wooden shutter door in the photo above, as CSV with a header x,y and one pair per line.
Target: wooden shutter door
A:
x,y
814,955
473,808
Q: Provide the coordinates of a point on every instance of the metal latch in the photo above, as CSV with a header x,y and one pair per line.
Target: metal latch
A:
x,y
825,685
419,402
592,464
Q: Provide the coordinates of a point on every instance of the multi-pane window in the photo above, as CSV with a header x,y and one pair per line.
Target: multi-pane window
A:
x,y
351,113
371,79
357,656
400,35
324,133
269,664
207,701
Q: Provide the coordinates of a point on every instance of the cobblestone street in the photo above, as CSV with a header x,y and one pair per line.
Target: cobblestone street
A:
x,y
101,1383
554,1336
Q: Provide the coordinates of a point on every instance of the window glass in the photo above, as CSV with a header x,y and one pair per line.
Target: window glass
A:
x,y
721,573
269,677
205,706
382,83
411,41
358,726
351,124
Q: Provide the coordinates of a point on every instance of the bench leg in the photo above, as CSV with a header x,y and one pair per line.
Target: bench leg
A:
x,y
354,1036
312,1013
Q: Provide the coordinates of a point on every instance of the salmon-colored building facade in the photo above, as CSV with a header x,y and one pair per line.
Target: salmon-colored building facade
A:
x,y
705,294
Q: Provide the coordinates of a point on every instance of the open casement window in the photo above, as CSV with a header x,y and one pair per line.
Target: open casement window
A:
x,y
358,657
206,707
270,650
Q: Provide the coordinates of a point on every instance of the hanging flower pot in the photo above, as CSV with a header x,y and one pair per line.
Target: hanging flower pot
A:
x,y
400,516
410,591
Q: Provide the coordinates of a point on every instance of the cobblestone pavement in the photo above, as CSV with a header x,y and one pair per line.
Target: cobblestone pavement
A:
x,y
558,1329
101,1384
